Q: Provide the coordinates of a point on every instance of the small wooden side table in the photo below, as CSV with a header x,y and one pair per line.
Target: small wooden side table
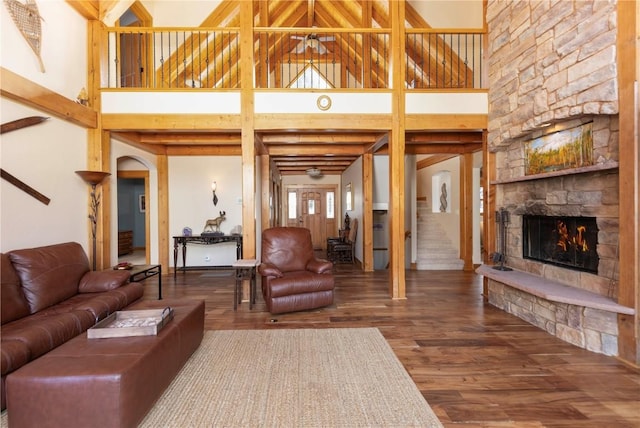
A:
x,y
245,269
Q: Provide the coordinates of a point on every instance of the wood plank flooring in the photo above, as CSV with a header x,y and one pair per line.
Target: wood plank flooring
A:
x,y
476,365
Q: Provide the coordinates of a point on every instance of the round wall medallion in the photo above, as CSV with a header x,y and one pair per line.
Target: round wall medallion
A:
x,y
324,102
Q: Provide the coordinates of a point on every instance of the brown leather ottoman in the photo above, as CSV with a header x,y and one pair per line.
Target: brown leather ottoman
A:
x,y
105,382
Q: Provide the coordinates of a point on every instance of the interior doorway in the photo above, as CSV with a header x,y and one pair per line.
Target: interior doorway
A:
x,y
134,48
133,217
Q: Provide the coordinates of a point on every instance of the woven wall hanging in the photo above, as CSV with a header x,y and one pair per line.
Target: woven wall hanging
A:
x,y
27,19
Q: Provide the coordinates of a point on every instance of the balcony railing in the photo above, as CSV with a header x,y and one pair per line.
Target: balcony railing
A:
x,y
302,58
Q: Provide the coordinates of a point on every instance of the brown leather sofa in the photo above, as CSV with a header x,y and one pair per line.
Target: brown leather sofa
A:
x,y
293,279
49,296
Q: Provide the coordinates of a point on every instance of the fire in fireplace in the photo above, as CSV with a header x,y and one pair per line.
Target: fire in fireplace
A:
x,y
564,241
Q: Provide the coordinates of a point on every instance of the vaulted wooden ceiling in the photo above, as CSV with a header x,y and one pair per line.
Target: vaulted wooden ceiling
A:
x,y
295,150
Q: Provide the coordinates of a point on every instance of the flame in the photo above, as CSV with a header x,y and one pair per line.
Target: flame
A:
x,y
577,241
581,243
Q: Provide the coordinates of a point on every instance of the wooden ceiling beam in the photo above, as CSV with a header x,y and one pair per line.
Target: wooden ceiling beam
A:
x,y
170,122
320,138
26,92
432,160
132,139
204,151
443,137
303,150
89,9
432,149
329,121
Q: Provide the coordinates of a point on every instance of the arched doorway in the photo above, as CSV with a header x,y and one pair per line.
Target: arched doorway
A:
x,y
133,215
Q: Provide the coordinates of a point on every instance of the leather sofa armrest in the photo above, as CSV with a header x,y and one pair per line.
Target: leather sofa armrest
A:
x,y
319,266
105,280
268,269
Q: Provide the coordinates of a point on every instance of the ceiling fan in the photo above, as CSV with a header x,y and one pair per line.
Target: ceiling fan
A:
x,y
312,41
314,172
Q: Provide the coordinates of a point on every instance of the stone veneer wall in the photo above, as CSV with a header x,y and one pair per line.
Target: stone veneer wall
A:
x,y
554,62
549,61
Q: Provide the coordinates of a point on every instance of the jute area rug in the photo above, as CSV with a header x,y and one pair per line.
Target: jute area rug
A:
x,y
328,378
293,378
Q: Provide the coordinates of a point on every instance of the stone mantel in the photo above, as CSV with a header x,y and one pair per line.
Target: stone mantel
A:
x,y
571,171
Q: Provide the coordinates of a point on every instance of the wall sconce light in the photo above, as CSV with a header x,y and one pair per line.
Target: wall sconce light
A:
x,y
93,178
214,187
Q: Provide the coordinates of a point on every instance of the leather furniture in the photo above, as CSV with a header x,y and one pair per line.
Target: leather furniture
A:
x,y
293,279
50,296
107,383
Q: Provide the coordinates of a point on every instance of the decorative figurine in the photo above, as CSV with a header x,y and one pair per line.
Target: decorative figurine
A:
x,y
209,225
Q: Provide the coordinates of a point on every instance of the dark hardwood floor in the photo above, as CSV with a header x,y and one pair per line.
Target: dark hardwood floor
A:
x,y
476,365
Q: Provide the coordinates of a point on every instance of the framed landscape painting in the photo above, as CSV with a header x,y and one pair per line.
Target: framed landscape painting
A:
x,y
570,148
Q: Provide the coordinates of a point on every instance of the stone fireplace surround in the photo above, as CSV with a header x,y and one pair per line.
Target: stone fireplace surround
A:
x,y
555,63
578,307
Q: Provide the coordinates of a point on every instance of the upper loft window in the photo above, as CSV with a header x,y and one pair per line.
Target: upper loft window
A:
x,y
310,78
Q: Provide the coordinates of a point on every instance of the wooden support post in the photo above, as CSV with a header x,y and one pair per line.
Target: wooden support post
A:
x,y
367,215
248,138
396,156
466,210
629,185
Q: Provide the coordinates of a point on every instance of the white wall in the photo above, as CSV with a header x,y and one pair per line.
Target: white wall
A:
x,y
190,203
63,52
450,14
45,156
180,13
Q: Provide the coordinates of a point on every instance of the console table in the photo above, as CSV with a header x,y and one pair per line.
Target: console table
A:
x,y
201,240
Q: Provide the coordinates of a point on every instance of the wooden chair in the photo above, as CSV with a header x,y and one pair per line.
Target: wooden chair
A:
x,y
344,251
343,234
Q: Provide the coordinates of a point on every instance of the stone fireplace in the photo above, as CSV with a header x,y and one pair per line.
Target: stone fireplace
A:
x,y
553,68
588,193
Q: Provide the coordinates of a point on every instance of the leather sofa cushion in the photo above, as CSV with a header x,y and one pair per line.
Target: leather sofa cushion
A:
x,y
14,354
106,303
44,333
93,282
50,274
14,305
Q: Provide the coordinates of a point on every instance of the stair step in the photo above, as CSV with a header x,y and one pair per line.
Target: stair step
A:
x,y
440,266
435,250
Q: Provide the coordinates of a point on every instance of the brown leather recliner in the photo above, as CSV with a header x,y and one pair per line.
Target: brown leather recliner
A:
x,y
293,279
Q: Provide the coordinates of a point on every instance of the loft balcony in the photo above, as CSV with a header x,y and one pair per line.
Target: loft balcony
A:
x,y
320,84
303,58
199,71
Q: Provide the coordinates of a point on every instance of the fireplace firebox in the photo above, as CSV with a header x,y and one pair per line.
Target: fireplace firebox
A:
x,y
570,242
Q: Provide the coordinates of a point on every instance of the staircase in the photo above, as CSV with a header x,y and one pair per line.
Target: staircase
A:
x,y
435,250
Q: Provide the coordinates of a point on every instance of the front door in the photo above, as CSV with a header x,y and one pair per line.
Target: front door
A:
x,y
312,208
